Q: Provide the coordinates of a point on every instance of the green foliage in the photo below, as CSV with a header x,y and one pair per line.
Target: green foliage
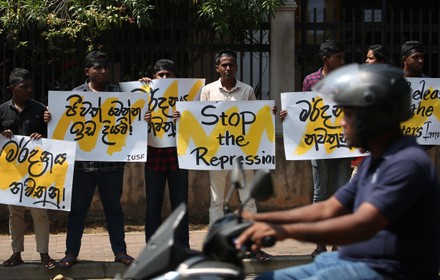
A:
x,y
232,17
68,20
62,21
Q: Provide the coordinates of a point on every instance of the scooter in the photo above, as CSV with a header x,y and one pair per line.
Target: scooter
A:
x,y
163,258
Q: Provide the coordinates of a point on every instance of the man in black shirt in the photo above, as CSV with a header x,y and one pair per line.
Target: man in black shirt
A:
x,y
23,115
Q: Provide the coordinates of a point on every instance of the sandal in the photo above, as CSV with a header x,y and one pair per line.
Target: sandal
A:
x,y
49,264
122,257
13,261
260,256
67,262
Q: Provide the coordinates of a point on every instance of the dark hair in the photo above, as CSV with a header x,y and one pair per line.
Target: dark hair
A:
x,y
225,52
330,47
94,58
379,52
18,75
410,47
164,64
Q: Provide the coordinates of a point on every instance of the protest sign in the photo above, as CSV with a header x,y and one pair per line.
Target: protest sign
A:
x,y
163,95
36,173
108,126
425,106
311,128
210,134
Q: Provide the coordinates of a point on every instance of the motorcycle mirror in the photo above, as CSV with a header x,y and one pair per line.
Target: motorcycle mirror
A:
x,y
238,178
162,252
262,186
238,181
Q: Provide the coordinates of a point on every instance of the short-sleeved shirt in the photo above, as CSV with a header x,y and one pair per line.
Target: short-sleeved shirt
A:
x,y
404,187
312,79
29,120
90,166
216,92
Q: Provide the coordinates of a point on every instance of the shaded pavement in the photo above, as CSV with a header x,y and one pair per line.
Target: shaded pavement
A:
x,y
96,260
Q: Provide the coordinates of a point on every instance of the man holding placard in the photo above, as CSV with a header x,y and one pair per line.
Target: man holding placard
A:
x,y
107,176
228,88
23,115
162,167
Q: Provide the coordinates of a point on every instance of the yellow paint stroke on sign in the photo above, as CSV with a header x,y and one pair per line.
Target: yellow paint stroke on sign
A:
x,y
422,108
161,113
164,111
191,129
320,127
45,170
88,131
194,90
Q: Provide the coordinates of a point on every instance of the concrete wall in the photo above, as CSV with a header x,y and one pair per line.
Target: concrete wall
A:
x,y
292,184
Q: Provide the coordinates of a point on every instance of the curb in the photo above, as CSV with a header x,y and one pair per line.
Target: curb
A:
x,y
107,270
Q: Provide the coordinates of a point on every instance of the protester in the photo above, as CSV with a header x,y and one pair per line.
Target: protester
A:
x,y
162,167
386,220
413,59
107,176
376,54
22,115
228,88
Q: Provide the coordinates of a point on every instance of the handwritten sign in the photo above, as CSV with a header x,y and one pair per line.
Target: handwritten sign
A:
x,y
425,107
163,95
210,135
311,128
36,173
108,126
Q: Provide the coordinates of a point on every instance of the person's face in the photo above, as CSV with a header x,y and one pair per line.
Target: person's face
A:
x,y
164,74
415,61
22,91
98,74
335,60
371,59
227,67
348,124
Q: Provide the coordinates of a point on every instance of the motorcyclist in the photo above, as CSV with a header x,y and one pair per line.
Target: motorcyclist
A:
x,y
386,219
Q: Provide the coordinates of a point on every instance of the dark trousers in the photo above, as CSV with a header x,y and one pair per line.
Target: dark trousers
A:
x,y
178,191
110,191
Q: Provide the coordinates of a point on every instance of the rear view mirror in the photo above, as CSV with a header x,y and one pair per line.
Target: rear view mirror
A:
x,y
262,186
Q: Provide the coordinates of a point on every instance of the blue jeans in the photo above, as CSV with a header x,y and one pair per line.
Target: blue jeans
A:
x,y
110,191
327,266
328,176
178,192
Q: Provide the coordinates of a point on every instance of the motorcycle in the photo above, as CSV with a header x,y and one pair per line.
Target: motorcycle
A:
x,y
163,258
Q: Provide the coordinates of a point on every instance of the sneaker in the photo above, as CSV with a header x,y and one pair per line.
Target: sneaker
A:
x,y
260,256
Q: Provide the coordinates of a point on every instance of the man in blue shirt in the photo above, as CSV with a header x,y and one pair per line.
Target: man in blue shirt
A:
x,y
386,219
